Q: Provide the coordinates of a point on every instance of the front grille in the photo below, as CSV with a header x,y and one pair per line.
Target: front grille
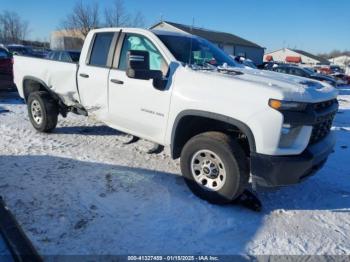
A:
x,y
323,124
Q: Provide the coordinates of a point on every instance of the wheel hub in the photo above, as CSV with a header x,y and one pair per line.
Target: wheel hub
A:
x,y
36,112
208,170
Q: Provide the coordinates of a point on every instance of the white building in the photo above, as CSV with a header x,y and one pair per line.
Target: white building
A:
x,y
342,61
287,55
66,40
231,44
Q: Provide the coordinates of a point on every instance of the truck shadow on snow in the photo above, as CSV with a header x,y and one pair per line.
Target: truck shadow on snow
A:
x,y
100,130
71,206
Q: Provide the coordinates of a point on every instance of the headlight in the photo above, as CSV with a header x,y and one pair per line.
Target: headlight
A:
x,y
281,105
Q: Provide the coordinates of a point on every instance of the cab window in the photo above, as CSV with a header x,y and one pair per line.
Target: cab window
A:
x,y
138,42
100,49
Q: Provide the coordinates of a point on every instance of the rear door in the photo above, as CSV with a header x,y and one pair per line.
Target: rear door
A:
x,y
93,74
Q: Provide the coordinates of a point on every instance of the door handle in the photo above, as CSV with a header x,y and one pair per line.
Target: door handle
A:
x,y
117,81
84,75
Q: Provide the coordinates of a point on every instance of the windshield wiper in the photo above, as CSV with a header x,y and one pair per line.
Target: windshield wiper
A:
x,y
208,67
226,69
222,69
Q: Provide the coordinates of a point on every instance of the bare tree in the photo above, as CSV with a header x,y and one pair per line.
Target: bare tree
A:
x,y
334,53
82,19
118,16
139,20
12,28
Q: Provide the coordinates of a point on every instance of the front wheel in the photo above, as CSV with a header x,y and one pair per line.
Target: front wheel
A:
x,y
214,167
43,111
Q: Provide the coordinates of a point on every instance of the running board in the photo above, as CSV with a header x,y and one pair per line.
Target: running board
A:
x,y
20,246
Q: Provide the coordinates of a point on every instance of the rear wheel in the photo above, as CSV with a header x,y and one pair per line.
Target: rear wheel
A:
x,y
43,111
214,167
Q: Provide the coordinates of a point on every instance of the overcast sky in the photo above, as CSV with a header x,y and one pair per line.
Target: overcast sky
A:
x,y
311,25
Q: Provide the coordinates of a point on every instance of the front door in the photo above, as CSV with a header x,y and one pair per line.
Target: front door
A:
x,y
135,106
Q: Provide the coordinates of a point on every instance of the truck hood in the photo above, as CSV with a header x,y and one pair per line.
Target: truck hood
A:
x,y
292,88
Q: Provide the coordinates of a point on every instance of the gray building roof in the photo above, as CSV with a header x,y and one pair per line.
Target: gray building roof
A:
x,y
322,60
213,36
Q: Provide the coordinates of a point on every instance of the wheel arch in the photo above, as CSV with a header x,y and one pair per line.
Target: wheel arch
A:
x,y
32,84
184,128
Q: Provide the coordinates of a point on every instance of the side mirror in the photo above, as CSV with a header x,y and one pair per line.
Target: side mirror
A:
x,y
138,66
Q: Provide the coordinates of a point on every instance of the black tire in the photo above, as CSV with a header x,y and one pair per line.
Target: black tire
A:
x,y
49,111
234,161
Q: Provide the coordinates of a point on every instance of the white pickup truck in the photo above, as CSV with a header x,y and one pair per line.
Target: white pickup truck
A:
x,y
226,122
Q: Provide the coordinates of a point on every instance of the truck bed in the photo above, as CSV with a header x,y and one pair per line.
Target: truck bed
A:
x,y
59,76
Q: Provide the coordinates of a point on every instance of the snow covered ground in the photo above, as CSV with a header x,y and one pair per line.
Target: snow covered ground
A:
x,y
5,255
80,190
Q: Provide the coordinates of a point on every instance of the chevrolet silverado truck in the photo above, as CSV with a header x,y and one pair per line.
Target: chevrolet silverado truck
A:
x,y
226,123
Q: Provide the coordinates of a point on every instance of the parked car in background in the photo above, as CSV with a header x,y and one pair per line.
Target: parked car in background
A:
x,y
6,69
325,70
244,61
329,70
336,69
304,72
41,52
268,65
64,56
3,46
307,67
27,50
342,79
20,50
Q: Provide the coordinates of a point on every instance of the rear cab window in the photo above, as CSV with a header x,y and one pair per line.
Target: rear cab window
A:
x,y
100,49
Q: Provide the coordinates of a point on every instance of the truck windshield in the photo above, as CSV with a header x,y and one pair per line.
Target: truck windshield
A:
x,y
196,51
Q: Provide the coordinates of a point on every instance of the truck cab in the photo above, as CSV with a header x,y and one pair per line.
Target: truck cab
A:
x,y
129,104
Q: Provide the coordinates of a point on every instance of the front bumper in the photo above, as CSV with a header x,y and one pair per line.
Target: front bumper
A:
x,y
286,170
